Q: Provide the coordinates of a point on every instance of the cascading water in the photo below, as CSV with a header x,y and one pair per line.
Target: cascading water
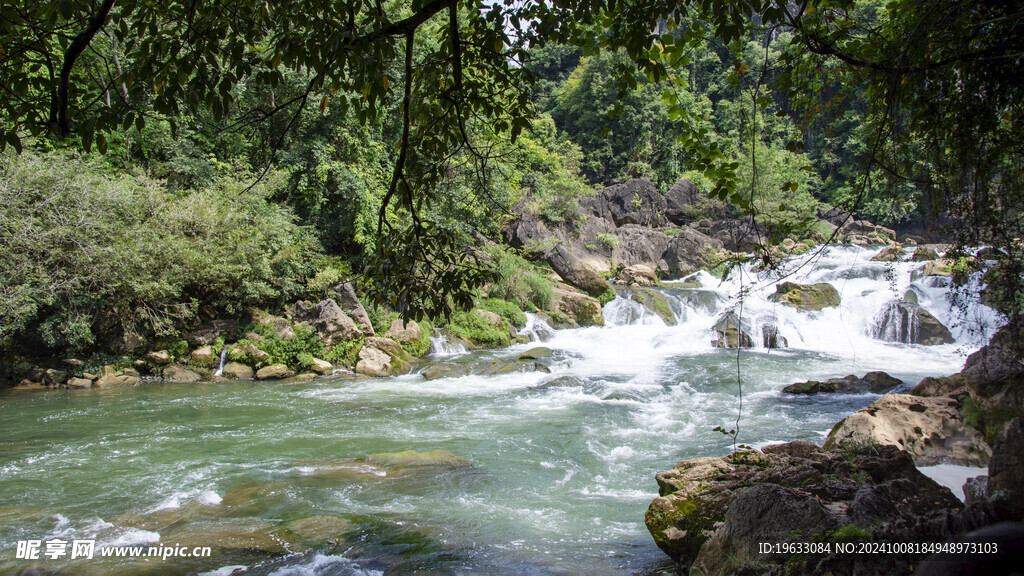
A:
x,y
441,346
561,461
223,359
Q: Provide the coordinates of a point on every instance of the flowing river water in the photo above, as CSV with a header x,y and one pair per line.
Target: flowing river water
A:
x,y
560,467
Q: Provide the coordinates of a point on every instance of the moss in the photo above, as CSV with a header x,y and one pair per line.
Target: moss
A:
x,y
851,533
657,302
696,517
607,296
479,331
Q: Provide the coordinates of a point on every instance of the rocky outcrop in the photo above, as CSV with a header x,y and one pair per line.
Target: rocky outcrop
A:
x,y
382,357
924,254
578,308
1006,469
179,374
930,429
689,251
274,372
577,271
203,357
995,375
237,371
802,488
907,322
331,322
876,382
159,358
404,332
634,201
345,296
731,332
637,275
809,297
863,233
679,201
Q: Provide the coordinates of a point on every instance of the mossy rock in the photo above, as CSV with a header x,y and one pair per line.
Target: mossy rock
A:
x,y
413,459
656,302
480,328
810,297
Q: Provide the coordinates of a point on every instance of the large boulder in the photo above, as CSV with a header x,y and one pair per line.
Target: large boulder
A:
x,y
930,429
237,371
810,297
346,298
179,374
891,253
732,332
639,245
204,357
871,382
862,232
578,308
116,381
331,322
909,323
577,271
866,487
995,374
689,251
924,254
404,332
634,201
274,372
1006,469
679,201
382,357
638,275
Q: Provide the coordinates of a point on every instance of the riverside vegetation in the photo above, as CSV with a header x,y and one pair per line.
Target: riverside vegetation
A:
x,y
271,200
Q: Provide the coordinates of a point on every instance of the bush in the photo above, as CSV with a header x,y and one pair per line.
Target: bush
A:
x,y
507,310
94,260
473,327
295,352
520,282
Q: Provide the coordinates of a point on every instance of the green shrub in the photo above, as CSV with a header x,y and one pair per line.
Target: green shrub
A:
x,y
295,352
507,310
345,353
520,281
473,327
91,258
609,240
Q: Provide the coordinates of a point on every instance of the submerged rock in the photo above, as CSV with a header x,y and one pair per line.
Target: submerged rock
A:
x,y
876,382
811,297
447,370
731,332
655,302
771,338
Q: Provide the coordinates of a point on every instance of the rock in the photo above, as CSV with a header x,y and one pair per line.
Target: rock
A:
x,y
871,382
179,374
1006,469
640,245
948,386
891,253
79,383
762,513
862,232
204,358
26,384
941,267
109,370
491,318
406,333
300,378
771,338
638,275
881,382
581,309
931,430
382,357
237,371
89,376
536,353
995,374
697,496
976,489
806,297
835,216
279,327
909,323
330,321
498,366
634,201
274,372
230,534
247,352
413,459
731,333
115,381
349,302
924,254
203,335
680,200
322,367
655,302
73,362
577,271
53,377
318,529
437,371
689,251
131,372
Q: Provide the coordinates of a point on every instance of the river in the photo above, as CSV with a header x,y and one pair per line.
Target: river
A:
x,y
560,467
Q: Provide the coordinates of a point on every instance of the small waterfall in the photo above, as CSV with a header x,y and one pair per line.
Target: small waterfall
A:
x,y
897,322
537,329
440,346
223,358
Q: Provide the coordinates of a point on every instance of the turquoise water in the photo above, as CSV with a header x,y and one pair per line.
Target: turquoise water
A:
x,y
557,472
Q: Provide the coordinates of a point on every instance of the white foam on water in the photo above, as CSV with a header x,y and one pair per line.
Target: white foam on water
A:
x,y
952,476
322,565
209,498
225,570
129,537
